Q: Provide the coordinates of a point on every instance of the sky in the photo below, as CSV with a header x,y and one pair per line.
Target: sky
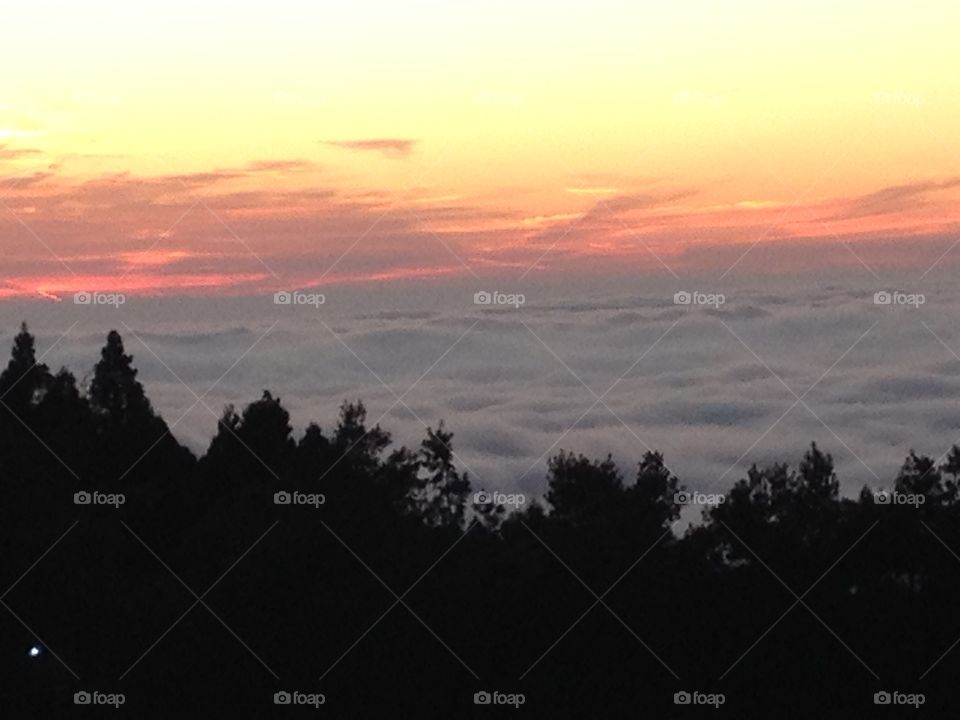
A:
x,y
236,148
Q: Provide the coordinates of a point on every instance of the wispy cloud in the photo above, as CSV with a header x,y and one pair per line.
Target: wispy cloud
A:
x,y
389,147
274,166
12,153
897,198
212,230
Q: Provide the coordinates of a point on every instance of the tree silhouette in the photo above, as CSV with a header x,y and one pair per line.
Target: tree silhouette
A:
x,y
444,492
24,380
115,392
257,444
134,442
653,496
390,588
581,491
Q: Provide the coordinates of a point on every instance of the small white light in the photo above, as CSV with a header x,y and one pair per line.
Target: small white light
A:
x,y
34,651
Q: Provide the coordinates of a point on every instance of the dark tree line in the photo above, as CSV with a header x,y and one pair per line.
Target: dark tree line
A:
x,y
407,598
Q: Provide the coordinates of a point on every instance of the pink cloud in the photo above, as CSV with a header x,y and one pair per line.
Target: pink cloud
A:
x,y
390,147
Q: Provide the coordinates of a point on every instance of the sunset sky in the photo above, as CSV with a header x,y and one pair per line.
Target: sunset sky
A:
x,y
221,148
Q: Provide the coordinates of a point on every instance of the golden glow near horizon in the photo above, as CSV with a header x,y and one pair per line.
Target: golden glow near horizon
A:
x,y
502,129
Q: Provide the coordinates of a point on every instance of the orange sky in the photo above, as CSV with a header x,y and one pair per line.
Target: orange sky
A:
x,y
224,149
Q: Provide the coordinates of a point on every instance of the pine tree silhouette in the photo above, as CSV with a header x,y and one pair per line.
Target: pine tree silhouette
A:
x,y
587,602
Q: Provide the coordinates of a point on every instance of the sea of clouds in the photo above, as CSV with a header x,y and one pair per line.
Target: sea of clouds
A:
x,y
753,375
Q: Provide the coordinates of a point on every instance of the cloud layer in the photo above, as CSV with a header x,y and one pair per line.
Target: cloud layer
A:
x,y
715,389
